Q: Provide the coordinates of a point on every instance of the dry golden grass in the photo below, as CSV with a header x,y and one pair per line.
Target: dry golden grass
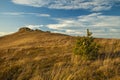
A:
x,y
41,55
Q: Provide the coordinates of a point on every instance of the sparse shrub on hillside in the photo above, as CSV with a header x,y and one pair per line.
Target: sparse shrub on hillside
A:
x,y
48,31
38,30
85,47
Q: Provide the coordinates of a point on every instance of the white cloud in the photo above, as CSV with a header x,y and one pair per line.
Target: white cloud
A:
x,y
101,25
13,13
24,13
34,26
70,32
5,33
93,5
96,22
43,15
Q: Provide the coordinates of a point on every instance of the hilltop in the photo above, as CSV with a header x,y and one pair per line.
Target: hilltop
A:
x,y
38,55
26,37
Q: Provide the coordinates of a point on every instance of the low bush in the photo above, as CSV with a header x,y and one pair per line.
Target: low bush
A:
x,y
86,47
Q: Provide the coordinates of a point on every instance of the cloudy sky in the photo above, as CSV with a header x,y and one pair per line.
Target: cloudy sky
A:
x,y
71,17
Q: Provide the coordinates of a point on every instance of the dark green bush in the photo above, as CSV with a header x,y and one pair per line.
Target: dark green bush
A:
x,y
86,47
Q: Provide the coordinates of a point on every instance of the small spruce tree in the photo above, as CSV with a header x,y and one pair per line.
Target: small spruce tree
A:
x,y
86,47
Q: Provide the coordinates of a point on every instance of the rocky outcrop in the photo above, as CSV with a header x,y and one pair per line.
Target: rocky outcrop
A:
x,y
25,29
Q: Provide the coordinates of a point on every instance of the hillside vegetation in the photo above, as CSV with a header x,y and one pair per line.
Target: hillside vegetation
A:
x,y
37,55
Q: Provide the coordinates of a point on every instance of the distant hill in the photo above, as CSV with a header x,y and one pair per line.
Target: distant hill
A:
x,y
37,55
26,37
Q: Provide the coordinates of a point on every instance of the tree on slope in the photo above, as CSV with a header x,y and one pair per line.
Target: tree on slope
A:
x,y
85,47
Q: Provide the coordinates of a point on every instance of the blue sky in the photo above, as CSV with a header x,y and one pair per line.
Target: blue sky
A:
x,y
71,17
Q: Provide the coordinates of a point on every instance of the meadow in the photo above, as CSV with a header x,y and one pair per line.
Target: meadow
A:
x,y
37,55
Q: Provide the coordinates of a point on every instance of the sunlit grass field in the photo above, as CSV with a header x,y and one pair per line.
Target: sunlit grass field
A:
x,y
38,55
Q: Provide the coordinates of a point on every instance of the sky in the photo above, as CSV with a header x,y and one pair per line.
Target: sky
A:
x,y
72,17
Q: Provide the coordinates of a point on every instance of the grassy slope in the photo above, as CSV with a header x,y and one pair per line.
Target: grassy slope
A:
x,y
40,55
